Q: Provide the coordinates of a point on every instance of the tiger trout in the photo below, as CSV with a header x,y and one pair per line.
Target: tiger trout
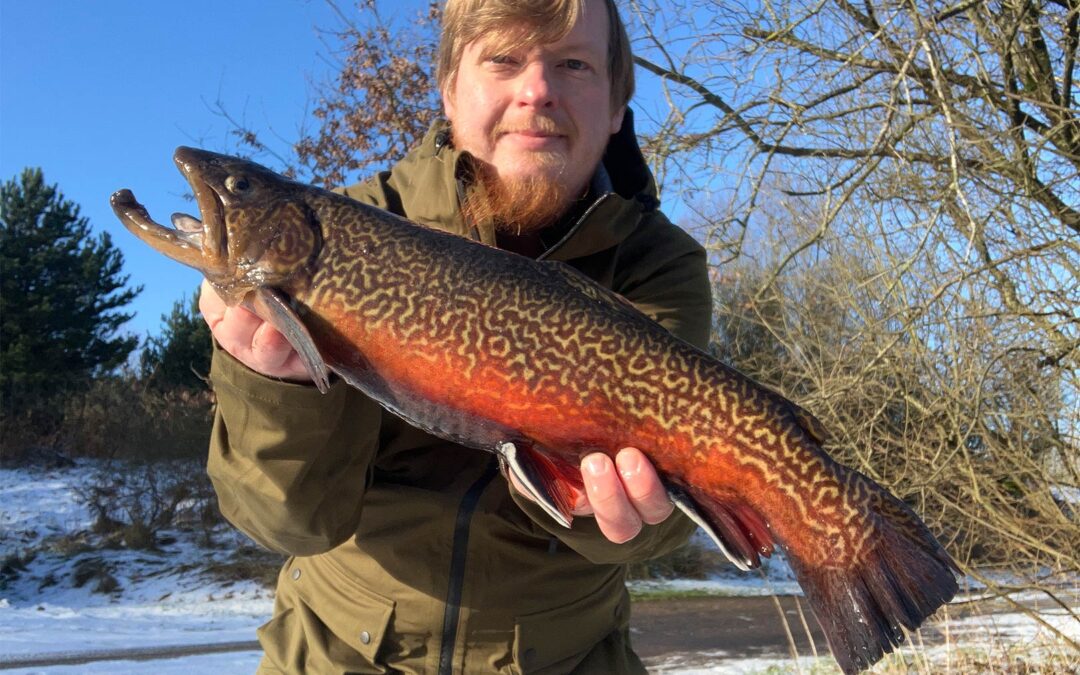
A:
x,y
533,361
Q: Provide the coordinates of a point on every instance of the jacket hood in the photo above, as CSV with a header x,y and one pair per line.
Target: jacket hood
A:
x,y
630,175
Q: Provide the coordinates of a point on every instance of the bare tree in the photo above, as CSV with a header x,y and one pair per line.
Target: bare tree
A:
x,y
890,192
385,96
965,116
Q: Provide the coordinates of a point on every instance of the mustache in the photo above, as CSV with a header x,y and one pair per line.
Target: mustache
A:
x,y
536,125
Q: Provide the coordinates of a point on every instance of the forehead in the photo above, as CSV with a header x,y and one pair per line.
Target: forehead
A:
x,y
588,33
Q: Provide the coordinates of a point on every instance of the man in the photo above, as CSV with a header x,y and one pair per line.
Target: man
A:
x,y
412,554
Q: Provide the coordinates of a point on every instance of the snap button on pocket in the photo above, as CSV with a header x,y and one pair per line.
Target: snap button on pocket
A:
x,y
355,615
296,575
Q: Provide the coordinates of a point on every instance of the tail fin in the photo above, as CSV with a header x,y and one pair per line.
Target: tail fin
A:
x,y
901,578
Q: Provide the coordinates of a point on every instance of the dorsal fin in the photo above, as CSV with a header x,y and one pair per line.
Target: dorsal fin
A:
x,y
810,424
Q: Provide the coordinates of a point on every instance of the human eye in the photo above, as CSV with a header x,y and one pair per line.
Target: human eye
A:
x,y
501,59
577,65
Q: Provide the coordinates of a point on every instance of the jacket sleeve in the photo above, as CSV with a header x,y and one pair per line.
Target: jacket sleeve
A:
x,y
663,272
289,464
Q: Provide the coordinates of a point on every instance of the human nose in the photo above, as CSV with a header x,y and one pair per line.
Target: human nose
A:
x,y
537,88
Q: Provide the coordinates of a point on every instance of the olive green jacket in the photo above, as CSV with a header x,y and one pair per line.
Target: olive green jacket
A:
x,y
410,553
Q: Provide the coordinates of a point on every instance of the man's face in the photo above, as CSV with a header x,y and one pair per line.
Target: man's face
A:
x,y
541,113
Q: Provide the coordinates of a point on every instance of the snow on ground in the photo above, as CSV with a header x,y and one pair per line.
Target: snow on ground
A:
x,y
164,597
774,578
970,644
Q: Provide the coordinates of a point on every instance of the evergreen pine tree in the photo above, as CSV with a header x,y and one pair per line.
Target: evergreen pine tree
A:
x,y
61,300
180,356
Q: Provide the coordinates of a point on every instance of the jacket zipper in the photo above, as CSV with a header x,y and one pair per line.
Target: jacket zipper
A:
x,y
577,226
451,614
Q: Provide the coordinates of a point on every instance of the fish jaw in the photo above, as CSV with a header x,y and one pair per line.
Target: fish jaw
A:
x,y
184,247
214,234
200,244
255,244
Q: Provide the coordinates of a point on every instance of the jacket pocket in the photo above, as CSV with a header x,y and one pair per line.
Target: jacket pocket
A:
x,y
558,640
338,616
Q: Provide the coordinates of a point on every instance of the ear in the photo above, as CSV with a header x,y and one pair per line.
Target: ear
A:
x,y
449,108
616,119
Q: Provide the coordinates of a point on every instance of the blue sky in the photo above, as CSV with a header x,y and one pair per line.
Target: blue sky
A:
x,y
99,94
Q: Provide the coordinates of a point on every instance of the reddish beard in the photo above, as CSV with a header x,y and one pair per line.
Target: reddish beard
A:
x,y
521,204
517,204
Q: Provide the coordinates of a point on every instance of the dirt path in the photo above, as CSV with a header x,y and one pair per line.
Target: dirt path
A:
x,y
132,654
738,627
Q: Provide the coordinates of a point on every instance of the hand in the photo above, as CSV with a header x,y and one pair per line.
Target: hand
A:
x,y
253,342
622,495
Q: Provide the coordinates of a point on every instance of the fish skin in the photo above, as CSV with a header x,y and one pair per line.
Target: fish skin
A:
x,y
485,347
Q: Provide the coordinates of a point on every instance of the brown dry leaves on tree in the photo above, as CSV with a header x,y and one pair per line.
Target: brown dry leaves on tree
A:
x,y
384,99
381,102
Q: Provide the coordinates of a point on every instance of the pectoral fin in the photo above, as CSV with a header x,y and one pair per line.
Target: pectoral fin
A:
x,y
550,482
272,307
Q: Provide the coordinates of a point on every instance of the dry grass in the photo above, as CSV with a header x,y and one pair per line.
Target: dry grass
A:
x,y
979,636
248,563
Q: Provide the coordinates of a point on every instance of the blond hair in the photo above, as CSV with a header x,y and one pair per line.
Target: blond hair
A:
x,y
527,23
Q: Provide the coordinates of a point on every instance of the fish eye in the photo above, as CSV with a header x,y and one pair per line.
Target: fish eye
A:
x,y
237,184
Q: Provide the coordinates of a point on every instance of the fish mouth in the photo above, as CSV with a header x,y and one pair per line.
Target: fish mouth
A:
x,y
193,242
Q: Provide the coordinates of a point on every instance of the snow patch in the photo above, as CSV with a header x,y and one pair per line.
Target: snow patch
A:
x,y
161,597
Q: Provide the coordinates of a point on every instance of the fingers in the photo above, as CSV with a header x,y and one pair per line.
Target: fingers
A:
x,y
625,494
643,487
211,306
253,342
616,517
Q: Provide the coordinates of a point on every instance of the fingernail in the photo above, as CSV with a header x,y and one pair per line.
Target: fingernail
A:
x,y
597,464
629,464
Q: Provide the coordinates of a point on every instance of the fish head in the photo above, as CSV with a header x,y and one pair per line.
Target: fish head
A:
x,y
256,228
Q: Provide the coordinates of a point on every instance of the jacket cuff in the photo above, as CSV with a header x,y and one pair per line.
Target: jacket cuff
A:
x,y
227,370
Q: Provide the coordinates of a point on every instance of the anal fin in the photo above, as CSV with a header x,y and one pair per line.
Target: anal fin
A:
x,y
736,529
552,483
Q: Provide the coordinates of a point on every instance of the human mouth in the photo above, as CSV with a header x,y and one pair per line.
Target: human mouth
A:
x,y
540,132
530,139
534,139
